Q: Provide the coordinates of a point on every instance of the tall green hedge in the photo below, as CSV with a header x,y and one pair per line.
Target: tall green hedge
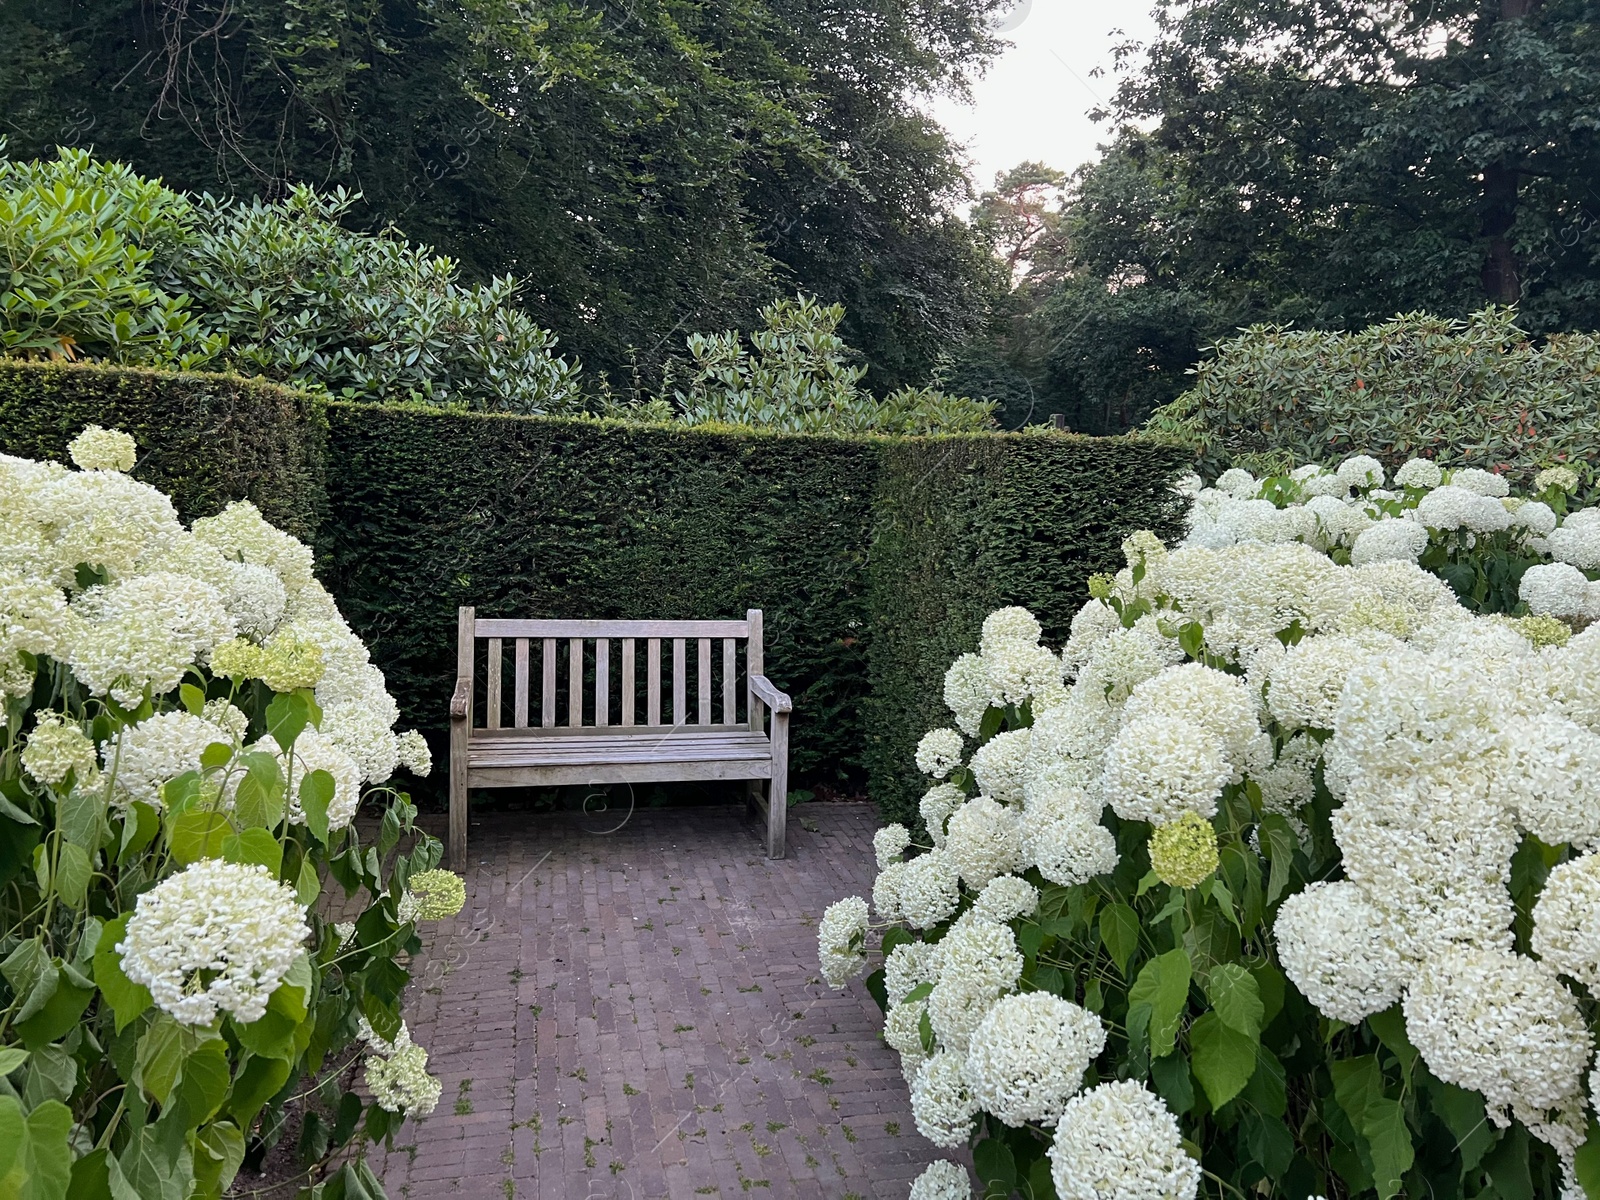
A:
x,y
204,439
965,525
874,558
535,516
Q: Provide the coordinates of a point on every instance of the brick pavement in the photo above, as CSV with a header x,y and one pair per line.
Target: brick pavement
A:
x,y
637,1014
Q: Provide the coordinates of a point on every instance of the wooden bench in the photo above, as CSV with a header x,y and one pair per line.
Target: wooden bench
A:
x,y
608,739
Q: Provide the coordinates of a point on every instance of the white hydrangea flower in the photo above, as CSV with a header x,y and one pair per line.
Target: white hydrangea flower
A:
x,y
1361,471
313,752
983,839
967,693
943,1180
240,532
1238,483
1557,589
1029,1055
939,752
1564,478
1018,671
941,1102
1005,898
889,844
1497,1023
1216,701
1306,680
234,923
363,734
886,892
1162,766
1337,948
1000,765
1013,624
1552,778
414,754
57,748
126,656
937,804
841,940
398,1078
1536,517
978,962
254,597
1389,541
902,1028
1118,1141
103,519
1063,837
1481,482
1091,625
1454,507
1418,473
97,449
1578,540
908,965
156,751
929,888
1566,921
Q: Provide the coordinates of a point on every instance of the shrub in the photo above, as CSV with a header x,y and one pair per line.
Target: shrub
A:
x,y
1463,525
188,725
1476,391
1292,885
796,377
107,265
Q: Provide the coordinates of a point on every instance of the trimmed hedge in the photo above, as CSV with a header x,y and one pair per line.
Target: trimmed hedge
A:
x,y
874,558
965,525
204,439
550,517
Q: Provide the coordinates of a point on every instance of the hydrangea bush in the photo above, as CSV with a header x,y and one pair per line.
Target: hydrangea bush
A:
x,y
1496,549
1281,878
187,730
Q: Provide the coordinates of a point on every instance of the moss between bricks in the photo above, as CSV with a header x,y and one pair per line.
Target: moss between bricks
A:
x,y
874,558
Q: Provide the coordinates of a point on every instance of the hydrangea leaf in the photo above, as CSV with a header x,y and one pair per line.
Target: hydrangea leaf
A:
x,y
127,999
1223,1059
198,834
1119,929
316,794
1235,998
1163,986
218,1155
1389,1142
254,846
1586,1165
57,1015
258,1081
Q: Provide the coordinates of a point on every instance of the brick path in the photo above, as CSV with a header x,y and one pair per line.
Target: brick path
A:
x,y
637,1014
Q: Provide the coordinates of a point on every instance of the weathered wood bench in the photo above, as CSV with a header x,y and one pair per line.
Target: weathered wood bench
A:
x,y
604,741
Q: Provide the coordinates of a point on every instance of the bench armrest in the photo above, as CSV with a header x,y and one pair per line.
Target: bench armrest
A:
x,y
769,695
461,702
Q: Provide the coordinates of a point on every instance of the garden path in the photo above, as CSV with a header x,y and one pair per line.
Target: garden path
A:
x,y
632,1013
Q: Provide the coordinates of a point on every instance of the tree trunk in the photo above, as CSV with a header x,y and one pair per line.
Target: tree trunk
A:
x,y
1502,279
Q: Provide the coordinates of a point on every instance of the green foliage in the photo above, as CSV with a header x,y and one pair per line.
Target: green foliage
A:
x,y
105,264
204,439
652,167
1477,393
99,1086
796,377
965,525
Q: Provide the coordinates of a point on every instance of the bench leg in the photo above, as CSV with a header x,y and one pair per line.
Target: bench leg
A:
x,y
778,790
458,799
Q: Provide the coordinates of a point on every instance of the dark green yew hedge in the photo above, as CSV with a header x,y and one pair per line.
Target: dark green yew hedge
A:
x,y
875,559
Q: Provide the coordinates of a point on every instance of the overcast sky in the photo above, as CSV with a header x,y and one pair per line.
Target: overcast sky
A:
x,y
1035,100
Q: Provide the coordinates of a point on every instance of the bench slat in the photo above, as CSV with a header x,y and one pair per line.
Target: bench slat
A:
x,y
627,681
547,694
652,660
520,699
703,678
574,681
729,671
492,699
680,684
602,681
559,751
508,627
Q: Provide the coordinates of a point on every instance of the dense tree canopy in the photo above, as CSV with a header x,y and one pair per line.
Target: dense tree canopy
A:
x,y
653,167
1326,165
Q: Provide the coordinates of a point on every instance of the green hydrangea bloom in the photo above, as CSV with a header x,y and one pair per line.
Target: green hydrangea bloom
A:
x,y
1183,853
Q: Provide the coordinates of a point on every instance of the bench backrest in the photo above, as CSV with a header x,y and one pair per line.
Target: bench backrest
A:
x,y
595,683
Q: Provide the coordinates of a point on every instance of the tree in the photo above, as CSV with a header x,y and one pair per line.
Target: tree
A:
x,y
1329,165
653,167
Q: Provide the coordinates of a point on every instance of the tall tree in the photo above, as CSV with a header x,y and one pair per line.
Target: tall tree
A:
x,y
652,166
1328,165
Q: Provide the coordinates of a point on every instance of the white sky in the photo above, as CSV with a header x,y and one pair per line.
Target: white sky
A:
x,y
1035,100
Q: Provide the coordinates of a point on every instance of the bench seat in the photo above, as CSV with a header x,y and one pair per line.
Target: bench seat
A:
x,y
520,758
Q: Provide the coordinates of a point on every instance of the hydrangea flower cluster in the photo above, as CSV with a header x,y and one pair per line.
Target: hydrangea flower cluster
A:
x,y
1261,672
